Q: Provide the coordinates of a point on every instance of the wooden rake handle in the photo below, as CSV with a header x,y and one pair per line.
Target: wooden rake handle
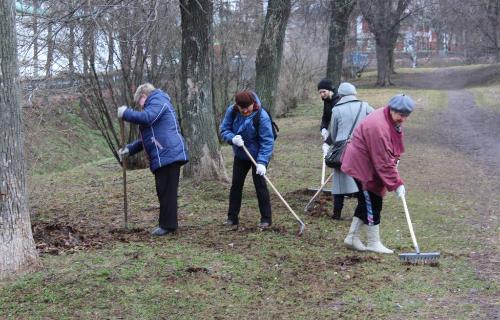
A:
x,y
410,226
275,190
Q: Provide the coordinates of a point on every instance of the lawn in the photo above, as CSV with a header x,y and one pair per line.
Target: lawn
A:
x,y
207,271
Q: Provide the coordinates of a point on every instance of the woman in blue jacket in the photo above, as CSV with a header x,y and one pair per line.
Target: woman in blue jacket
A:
x,y
162,140
240,128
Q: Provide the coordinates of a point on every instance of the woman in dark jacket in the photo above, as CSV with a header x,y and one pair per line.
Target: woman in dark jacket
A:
x,y
238,128
162,140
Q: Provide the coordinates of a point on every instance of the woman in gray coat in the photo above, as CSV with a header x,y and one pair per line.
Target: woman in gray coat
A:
x,y
343,116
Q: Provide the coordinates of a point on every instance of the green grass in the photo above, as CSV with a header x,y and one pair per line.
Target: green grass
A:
x,y
209,272
488,96
59,139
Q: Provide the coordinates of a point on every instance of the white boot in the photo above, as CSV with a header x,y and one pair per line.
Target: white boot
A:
x,y
352,240
373,240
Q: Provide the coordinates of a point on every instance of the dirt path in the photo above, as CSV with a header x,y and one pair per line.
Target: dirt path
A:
x,y
474,132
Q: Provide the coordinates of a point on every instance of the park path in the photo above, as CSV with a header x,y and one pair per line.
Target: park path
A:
x,y
473,131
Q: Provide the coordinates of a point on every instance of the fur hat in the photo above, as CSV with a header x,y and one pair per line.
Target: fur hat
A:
x,y
402,103
347,89
325,84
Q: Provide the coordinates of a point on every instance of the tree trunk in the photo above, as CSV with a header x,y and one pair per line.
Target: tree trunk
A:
x,y
198,121
50,51
384,21
340,10
383,65
270,52
35,39
71,50
17,248
392,63
493,10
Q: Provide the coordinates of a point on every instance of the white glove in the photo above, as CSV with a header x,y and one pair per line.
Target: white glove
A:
x,y
400,191
123,152
325,147
324,134
397,164
121,110
261,169
238,141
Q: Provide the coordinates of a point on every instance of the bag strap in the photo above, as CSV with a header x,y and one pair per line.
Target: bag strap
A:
x,y
355,120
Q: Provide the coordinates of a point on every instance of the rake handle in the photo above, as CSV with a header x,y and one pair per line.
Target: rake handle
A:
x,y
410,226
124,171
274,188
323,171
319,191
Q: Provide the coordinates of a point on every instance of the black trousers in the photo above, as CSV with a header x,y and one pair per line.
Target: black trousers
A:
x,y
167,185
369,206
240,171
338,202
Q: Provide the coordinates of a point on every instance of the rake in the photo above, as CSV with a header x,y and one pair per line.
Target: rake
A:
x,y
302,225
318,192
323,170
417,257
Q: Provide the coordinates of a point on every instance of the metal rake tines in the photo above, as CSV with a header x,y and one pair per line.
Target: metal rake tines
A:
x,y
428,257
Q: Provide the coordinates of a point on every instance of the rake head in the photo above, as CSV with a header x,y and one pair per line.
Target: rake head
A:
x,y
301,230
420,258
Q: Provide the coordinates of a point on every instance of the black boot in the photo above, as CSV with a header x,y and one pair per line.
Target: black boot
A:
x,y
336,214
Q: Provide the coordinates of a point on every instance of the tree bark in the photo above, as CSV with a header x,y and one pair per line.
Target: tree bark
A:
x,y
340,11
17,247
198,121
384,20
270,52
50,51
35,39
493,12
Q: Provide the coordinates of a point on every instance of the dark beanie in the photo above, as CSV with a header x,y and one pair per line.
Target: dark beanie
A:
x,y
325,84
244,98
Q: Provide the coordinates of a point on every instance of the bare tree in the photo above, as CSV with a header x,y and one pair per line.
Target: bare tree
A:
x,y
17,248
384,20
340,11
196,92
270,52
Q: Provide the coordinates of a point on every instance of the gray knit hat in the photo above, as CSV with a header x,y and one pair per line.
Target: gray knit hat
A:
x,y
402,103
347,89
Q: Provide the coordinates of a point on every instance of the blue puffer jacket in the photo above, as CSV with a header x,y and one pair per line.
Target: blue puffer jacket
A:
x,y
259,144
160,133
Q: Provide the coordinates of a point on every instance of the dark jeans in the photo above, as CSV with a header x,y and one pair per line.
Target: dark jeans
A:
x,y
167,184
240,170
369,206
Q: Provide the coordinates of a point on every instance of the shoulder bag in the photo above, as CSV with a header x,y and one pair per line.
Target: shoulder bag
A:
x,y
334,154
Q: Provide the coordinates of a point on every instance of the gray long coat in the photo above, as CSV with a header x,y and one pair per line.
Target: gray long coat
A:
x,y
343,115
